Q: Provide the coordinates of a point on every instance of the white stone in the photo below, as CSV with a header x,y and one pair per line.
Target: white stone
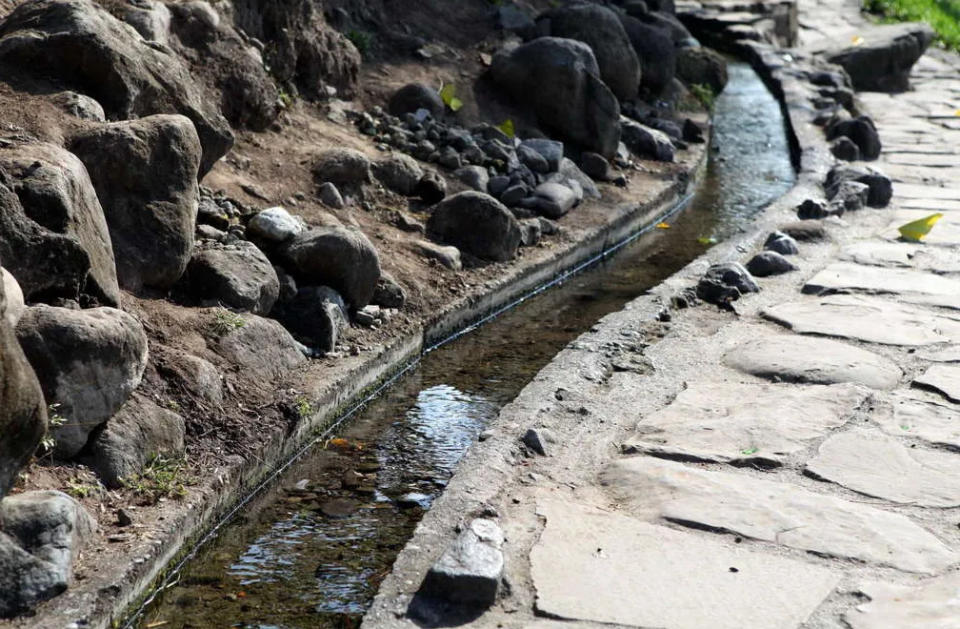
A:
x,y
933,605
942,378
874,464
603,567
912,416
275,224
909,285
760,423
774,512
14,306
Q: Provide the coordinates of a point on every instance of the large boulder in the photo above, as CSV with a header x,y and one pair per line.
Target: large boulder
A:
x,y
341,258
23,412
53,235
81,46
398,172
140,431
342,167
559,79
13,305
658,57
478,224
237,275
88,362
261,347
881,62
646,142
702,66
145,173
409,98
220,57
599,28
301,49
43,532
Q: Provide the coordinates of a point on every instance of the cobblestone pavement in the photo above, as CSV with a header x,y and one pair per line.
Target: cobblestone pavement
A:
x,y
795,464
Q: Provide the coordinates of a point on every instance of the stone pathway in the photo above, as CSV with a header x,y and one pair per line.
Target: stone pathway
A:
x,y
765,475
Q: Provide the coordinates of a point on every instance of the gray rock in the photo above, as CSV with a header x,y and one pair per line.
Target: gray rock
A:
x,y
513,195
692,132
548,227
862,132
398,172
410,98
67,252
513,18
805,231
79,105
151,19
552,200
474,176
844,148
275,225
208,232
497,186
531,232
330,196
288,285
478,224
81,46
261,347
944,379
88,362
599,28
450,158
139,432
702,66
890,605
389,293
469,571
13,305
317,315
811,209
237,275
657,53
532,159
781,243
559,80
882,62
535,441
343,167
145,174
726,282
595,166
447,256
910,286
42,536
569,170
193,375
646,142
767,263
851,196
550,150
343,259
432,188
881,188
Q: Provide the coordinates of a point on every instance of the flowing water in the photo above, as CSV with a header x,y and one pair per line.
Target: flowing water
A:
x,y
313,555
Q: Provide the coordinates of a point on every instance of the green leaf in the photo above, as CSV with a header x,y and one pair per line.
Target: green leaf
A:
x,y
749,451
508,128
707,240
448,93
455,104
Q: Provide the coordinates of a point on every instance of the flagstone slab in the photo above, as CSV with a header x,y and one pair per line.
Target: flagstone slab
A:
x,y
912,286
922,191
744,423
870,319
912,416
604,567
933,605
903,254
874,464
932,205
794,358
949,354
934,160
775,512
943,378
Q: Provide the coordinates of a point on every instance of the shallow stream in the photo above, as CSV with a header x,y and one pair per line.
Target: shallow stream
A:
x,y
314,556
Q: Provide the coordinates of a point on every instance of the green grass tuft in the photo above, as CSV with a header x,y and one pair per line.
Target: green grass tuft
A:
x,y
942,15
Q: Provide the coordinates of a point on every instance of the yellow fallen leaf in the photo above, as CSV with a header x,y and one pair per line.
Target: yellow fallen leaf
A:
x,y
339,442
957,112
508,128
857,40
663,226
486,59
916,230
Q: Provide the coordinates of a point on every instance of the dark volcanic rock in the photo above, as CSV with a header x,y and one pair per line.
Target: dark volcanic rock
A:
x,y
341,258
478,224
658,56
53,235
80,45
414,96
145,174
881,188
469,571
726,282
882,62
846,149
237,275
702,66
317,315
781,243
261,347
646,142
88,362
767,263
559,79
862,132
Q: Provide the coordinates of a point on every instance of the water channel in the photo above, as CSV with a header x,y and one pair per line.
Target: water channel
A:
x,y
315,557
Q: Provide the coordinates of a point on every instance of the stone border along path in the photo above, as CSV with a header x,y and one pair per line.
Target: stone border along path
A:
x,y
677,489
